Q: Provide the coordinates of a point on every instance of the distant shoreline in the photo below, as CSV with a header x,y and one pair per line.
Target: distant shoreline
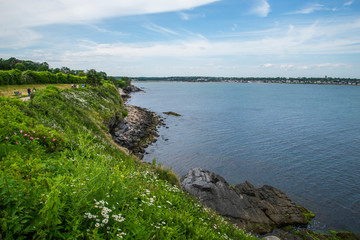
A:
x,y
317,81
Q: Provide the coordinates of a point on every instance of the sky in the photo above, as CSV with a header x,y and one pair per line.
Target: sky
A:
x,y
148,38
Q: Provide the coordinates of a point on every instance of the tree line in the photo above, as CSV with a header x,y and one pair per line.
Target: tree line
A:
x,y
17,72
300,80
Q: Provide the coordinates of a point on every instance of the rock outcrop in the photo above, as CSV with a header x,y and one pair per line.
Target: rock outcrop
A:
x,y
132,89
256,209
137,130
125,92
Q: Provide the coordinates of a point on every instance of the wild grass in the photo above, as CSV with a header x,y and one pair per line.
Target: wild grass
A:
x,y
62,178
8,90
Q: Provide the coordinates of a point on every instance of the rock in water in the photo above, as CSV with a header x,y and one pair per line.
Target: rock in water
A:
x,y
256,209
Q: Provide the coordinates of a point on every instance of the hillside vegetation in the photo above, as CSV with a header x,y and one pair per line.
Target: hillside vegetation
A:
x,y
62,177
19,72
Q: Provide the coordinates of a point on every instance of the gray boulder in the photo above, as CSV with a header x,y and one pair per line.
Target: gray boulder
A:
x,y
256,209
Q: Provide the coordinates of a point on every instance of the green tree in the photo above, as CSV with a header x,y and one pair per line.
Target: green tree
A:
x,y
20,66
43,66
103,75
81,73
93,78
2,64
127,81
65,70
12,62
30,65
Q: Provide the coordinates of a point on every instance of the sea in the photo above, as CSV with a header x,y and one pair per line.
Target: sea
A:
x,y
302,139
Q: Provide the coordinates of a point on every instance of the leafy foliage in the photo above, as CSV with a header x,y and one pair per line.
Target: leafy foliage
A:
x,y
121,82
15,72
17,77
93,78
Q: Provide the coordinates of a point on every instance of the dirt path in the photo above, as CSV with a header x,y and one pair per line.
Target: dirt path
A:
x,y
25,98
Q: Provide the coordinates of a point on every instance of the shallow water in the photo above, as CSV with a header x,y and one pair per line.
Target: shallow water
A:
x,y
302,139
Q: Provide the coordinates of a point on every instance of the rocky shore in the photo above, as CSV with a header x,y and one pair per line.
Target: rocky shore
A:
x,y
137,130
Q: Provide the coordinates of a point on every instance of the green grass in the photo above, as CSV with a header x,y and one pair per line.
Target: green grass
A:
x,y
61,177
8,90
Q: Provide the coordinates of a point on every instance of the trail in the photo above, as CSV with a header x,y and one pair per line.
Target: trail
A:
x,y
25,98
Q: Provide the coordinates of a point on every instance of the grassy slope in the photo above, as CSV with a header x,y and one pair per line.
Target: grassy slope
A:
x,y
61,177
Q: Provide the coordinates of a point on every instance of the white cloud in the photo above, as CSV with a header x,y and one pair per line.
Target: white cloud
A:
x,y
318,38
184,16
18,38
19,17
187,16
104,30
282,45
261,8
310,9
159,29
348,3
268,65
26,13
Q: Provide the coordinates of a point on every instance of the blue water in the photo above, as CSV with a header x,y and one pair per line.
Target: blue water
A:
x,y
302,139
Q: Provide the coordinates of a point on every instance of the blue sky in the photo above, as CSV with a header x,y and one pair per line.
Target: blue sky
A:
x,y
239,38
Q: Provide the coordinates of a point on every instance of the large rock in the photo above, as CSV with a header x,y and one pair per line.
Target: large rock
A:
x,y
257,209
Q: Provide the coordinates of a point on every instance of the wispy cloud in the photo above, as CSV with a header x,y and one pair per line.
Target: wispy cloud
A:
x,y
319,38
290,66
17,38
188,16
44,12
261,8
234,27
184,16
104,30
348,3
310,9
19,18
22,15
159,29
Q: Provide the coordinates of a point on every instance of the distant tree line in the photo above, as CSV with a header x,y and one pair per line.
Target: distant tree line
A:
x,y
302,80
16,72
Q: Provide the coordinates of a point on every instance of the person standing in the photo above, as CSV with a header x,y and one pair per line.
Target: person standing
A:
x,y
29,91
